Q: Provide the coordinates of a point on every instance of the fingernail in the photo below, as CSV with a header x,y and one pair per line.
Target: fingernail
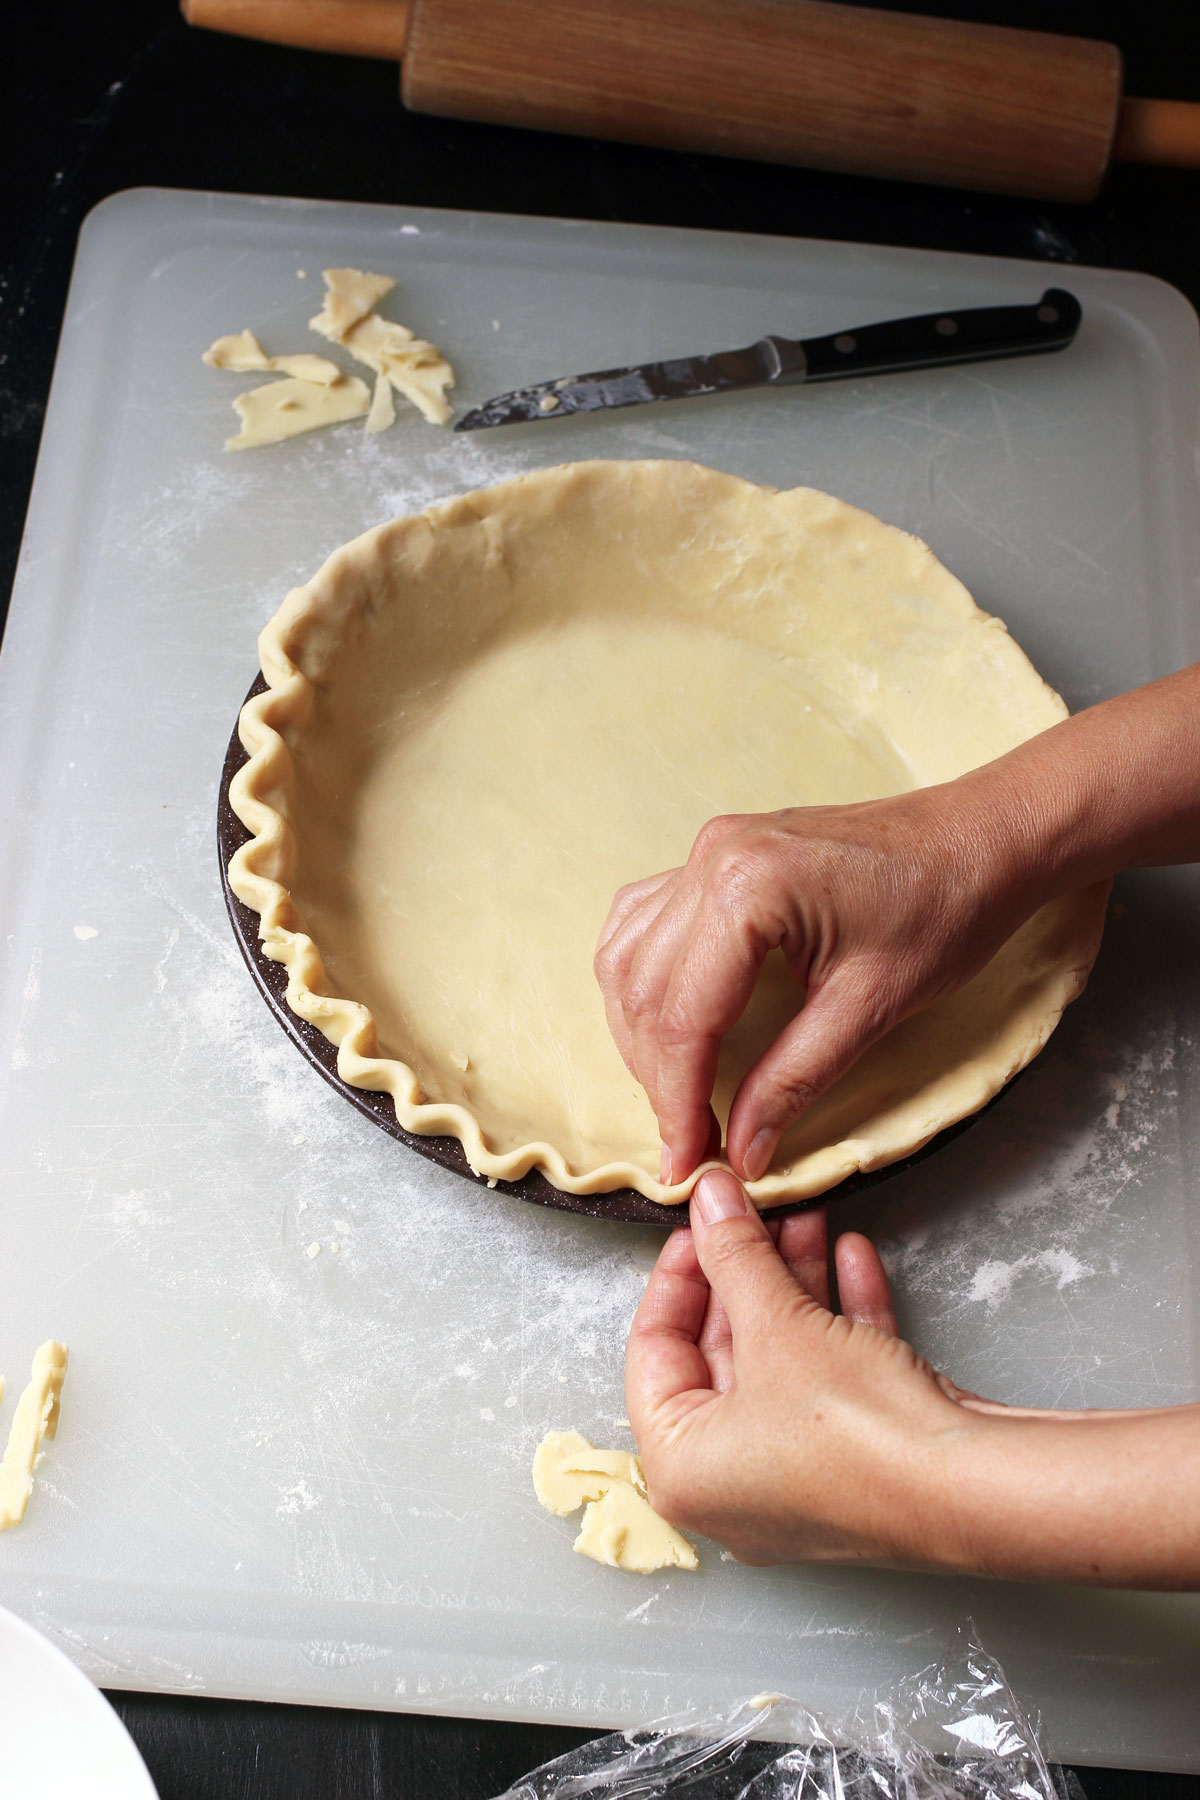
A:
x,y
719,1195
759,1154
664,1167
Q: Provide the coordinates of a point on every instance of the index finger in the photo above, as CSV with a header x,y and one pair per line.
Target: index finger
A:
x,y
710,986
803,1245
663,1359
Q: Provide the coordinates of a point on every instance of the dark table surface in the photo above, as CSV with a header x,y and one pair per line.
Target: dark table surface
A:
x,y
100,98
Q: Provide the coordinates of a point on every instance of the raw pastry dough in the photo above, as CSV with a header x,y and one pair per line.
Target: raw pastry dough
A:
x,y
284,409
383,407
36,1418
483,720
242,352
350,294
316,392
568,1470
414,367
620,1527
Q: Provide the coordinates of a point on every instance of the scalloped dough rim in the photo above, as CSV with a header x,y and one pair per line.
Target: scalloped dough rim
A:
x,y
257,874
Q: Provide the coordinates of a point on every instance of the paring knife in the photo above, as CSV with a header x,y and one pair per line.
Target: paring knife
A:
x,y
929,341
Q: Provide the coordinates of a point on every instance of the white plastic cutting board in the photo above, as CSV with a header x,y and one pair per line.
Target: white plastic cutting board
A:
x,y
307,1478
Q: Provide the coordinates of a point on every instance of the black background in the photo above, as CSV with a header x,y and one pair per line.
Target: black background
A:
x,y
103,97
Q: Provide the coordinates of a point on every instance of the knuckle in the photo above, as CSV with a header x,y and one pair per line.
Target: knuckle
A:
x,y
738,1249
607,963
676,1024
714,833
869,1000
792,1094
639,1000
738,871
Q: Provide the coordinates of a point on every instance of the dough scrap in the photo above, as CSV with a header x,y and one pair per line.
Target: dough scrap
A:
x,y
242,352
467,745
287,407
36,1418
383,407
403,364
620,1527
350,294
414,367
568,1470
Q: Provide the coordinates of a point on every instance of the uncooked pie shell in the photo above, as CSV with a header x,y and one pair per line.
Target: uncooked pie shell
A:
x,y
482,720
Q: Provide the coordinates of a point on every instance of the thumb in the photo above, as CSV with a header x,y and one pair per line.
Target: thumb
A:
x,y
831,1031
739,1260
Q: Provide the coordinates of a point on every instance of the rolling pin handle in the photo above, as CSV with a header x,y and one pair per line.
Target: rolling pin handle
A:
x,y
1159,131
348,27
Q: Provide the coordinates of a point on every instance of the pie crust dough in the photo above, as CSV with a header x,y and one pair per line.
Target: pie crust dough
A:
x,y
242,352
286,408
411,365
36,1418
314,391
482,720
620,1527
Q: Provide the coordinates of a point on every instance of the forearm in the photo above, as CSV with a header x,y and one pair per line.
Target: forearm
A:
x,y
1110,1501
1115,787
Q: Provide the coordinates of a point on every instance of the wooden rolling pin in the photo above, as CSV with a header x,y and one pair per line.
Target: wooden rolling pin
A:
x,y
795,81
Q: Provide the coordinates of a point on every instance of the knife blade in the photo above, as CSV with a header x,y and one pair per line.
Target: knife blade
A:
x,y
927,341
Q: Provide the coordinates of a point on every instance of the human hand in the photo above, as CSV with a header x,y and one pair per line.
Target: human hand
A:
x,y
879,909
763,1419
790,1433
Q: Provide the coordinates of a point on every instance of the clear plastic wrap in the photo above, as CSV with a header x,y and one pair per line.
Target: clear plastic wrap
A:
x,y
952,1731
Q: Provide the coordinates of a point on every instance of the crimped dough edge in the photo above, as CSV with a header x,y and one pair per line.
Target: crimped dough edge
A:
x,y
259,870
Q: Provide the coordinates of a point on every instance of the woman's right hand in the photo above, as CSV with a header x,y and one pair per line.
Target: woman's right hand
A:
x,y
879,908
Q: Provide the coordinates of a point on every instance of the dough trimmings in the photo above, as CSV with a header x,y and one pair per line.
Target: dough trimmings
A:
x,y
620,1527
482,720
294,405
242,352
411,365
315,392
36,1418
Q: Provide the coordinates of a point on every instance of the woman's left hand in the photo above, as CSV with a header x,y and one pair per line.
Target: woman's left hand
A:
x,y
766,1420
793,1433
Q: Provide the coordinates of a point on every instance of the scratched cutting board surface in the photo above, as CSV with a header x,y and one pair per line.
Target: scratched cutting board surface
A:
x,y
306,1476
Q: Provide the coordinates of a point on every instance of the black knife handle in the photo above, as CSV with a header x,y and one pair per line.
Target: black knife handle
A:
x,y
932,340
